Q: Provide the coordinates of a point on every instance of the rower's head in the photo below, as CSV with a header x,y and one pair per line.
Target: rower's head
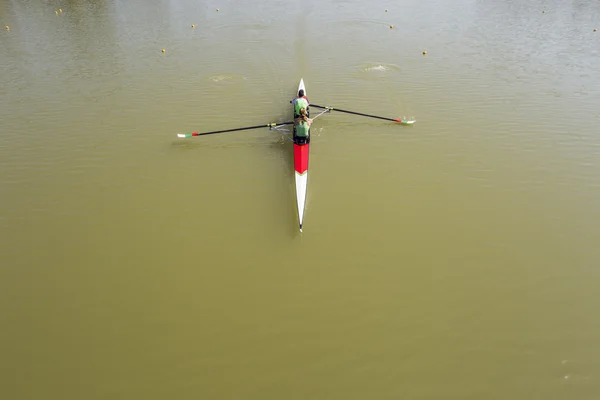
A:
x,y
303,115
301,93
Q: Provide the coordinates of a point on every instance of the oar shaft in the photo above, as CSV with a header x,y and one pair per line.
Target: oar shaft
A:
x,y
357,113
321,113
185,135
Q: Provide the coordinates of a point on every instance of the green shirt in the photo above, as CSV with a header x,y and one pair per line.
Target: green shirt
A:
x,y
300,103
302,129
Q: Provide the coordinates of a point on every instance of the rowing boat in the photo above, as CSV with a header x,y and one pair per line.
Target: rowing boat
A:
x,y
301,166
301,145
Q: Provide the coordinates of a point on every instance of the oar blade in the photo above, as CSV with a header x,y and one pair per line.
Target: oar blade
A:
x,y
187,135
405,121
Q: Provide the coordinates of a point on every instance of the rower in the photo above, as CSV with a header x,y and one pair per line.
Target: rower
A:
x,y
300,102
302,127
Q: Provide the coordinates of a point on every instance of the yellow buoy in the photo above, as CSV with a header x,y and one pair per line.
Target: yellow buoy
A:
x,y
391,26
424,52
56,12
60,10
192,25
217,9
163,50
7,28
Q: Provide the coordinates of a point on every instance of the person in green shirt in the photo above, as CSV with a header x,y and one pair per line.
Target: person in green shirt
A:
x,y
300,102
302,127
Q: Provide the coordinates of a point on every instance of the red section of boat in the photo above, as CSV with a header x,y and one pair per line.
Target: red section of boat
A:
x,y
301,158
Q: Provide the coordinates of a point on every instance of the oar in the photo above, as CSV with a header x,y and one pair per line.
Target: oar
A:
x,y
321,113
402,121
186,135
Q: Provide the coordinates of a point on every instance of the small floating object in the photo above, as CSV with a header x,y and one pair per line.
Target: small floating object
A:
x,y
543,11
192,25
391,26
163,50
386,10
424,52
7,28
60,10
56,12
217,10
595,29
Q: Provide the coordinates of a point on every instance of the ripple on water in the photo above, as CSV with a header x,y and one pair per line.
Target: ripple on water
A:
x,y
225,79
376,69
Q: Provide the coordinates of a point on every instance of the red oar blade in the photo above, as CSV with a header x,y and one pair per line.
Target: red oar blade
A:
x,y
405,121
184,135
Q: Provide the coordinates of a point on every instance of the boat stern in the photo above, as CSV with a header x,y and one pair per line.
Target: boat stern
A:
x,y
301,175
